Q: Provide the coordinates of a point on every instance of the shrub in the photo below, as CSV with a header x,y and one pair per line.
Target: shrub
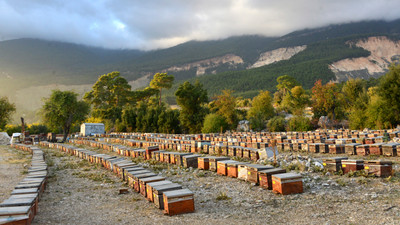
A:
x,y
299,123
276,124
213,123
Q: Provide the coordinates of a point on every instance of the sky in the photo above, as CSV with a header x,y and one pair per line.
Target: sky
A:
x,y
153,24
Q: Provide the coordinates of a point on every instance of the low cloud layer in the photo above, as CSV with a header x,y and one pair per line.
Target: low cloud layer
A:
x,y
159,23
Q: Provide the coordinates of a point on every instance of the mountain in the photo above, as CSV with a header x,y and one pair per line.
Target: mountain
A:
x,y
30,68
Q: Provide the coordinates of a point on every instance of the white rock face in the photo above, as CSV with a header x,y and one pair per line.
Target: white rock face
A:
x,y
203,65
276,55
383,52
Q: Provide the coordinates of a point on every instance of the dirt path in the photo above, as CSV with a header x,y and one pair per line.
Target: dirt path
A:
x,y
81,193
13,166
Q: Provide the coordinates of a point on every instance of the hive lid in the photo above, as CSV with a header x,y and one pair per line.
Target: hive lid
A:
x,y
226,161
258,167
287,176
24,190
178,193
155,178
334,159
158,183
235,163
144,175
161,188
378,162
272,171
352,161
14,210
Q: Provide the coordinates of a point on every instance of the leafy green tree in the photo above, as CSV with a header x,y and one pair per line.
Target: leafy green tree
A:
x,y
355,100
129,118
276,124
325,100
160,81
296,101
389,92
225,105
62,109
6,109
168,122
299,123
214,123
191,98
261,106
286,83
108,96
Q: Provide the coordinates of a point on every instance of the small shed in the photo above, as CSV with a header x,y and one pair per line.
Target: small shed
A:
x,y
88,129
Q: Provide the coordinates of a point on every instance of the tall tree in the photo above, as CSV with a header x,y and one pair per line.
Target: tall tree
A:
x,y
160,81
389,91
296,101
225,105
62,109
261,110
285,84
6,109
108,96
325,100
190,98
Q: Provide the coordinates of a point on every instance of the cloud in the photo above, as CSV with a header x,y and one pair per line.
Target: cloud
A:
x,y
160,23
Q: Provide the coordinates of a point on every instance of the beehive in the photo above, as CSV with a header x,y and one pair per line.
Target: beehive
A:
x,y
333,164
252,172
352,165
159,190
287,183
178,202
265,177
378,168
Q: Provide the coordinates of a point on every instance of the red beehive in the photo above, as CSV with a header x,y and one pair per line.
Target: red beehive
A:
x,y
362,149
178,202
159,190
333,164
252,172
222,167
287,183
144,181
375,149
203,163
390,149
265,177
352,165
213,162
378,168
149,188
232,170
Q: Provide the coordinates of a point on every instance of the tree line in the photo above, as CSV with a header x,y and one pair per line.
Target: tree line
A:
x,y
355,104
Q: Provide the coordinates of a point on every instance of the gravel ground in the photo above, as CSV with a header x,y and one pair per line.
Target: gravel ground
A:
x,y
81,193
13,166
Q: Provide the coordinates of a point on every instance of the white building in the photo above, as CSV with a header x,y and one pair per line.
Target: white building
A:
x,y
88,129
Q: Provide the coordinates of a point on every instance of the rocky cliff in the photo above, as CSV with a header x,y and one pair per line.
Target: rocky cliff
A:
x,y
276,55
207,64
383,53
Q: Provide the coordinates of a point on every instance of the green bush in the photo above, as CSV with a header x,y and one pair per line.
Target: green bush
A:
x,y
299,123
213,123
276,124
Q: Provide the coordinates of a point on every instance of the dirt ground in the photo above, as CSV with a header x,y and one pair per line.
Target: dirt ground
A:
x,y
82,193
13,167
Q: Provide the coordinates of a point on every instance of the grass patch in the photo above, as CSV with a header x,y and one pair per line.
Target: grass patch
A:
x,y
342,182
222,196
97,177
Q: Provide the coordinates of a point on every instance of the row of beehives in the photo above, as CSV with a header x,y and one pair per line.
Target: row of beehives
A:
x,y
163,193
22,206
379,168
267,177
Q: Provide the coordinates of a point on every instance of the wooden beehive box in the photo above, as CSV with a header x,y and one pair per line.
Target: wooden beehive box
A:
x,y
179,158
352,165
287,183
375,149
178,202
125,171
21,200
246,153
323,148
265,177
351,148
232,170
137,177
390,149
362,149
130,175
378,168
239,151
149,188
313,147
252,172
160,189
144,181
224,150
17,214
336,149
190,161
222,166
213,162
254,155
242,172
232,151
333,164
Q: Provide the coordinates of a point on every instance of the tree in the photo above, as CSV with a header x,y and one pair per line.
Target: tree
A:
x,y
168,122
108,96
389,91
160,81
62,109
214,123
190,98
296,101
225,105
285,84
262,105
6,109
325,100
299,123
276,124
355,101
